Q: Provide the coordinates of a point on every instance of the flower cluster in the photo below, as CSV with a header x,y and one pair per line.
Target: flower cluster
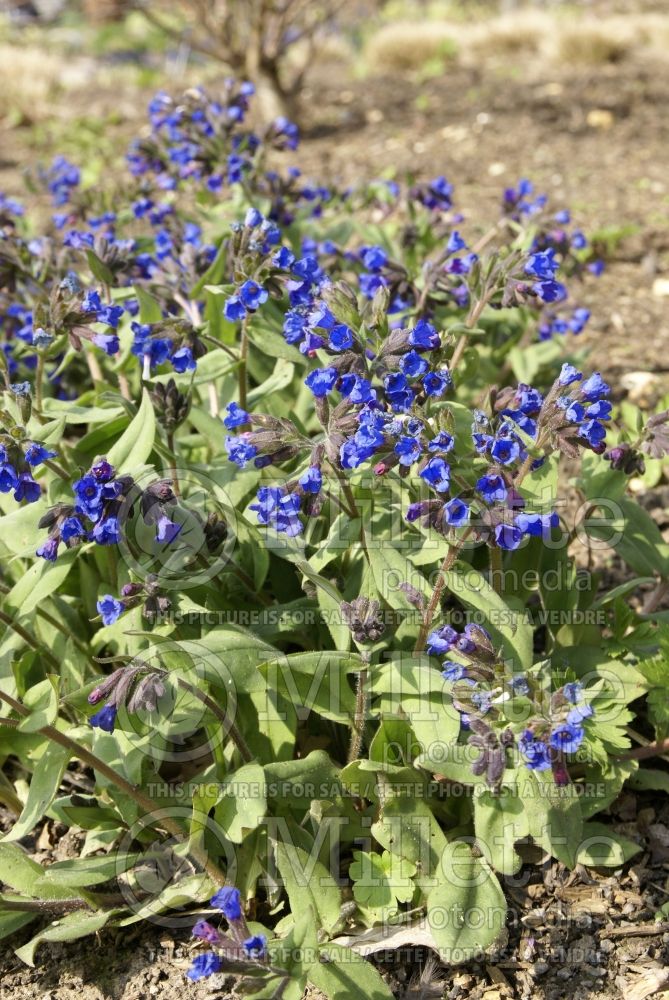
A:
x,y
482,687
16,463
101,501
238,944
134,687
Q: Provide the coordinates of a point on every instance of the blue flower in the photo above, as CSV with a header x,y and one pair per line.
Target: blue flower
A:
x,y
240,451
206,932
278,510
183,360
356,388
601,410
253,218
8,477
437,473
110,609
456,513
413,365
236,416
573,691
424,336
542,265
88,496
27,489
550,291
341,338
107,531
321,381
436,383
593,432
443,441
204,965
536,752
48,549
255,946
36,454
505,450
234,309
253,295
229,901
105,718
536,525
398,392
579,713
166,530
508,536
568,375
108,343
71,528
567,737
453,671
519,685
594,387
110,315
373,258
491,488
455,242
441,640
409,450
312,480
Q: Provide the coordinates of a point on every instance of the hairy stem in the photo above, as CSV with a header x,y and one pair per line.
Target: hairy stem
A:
x,y
361,709
146,804
229,725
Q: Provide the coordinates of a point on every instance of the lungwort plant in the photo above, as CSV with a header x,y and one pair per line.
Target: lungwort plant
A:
x,y
303,628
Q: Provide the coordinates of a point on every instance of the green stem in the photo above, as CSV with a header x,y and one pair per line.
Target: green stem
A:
x,y
243,358
431,609
79,643
173,463
39,378
30,640
361,709
228,723
496,570
97,764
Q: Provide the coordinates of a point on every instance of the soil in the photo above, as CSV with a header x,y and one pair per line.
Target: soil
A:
x,y
594,139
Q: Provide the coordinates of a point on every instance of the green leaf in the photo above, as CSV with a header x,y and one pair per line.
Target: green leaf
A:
x,y
13,920
41,581
43,790
407,828
76,873
635,536
69,928
315,682
297,953
149,308
42,700
380,881
603,847
136,443
342,974
649,780
466,910
99,269
308,883
509,627
243,803
391,566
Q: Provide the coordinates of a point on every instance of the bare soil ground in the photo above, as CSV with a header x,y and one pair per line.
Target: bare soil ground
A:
x,y
595,139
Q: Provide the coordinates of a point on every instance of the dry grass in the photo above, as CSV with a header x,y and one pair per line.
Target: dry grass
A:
x,y
409,45
566,38
33,81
